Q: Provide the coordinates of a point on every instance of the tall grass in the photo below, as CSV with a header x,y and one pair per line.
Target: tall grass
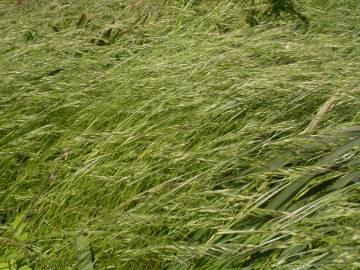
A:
x,y
169,135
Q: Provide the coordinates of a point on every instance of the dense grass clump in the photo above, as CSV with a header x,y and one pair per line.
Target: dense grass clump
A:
x,y
172,135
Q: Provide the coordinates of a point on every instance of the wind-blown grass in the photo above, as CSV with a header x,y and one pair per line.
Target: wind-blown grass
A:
x,y
164,135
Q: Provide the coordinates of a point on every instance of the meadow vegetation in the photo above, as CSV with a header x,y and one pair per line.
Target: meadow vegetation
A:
x,y
179,134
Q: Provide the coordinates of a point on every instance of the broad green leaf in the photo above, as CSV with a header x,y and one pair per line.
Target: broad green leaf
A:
x,y
13,265
4,266
84,252
18,227
25,267
290,191
345,180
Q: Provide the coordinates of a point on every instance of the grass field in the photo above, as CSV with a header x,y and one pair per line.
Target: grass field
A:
x,y
172,135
